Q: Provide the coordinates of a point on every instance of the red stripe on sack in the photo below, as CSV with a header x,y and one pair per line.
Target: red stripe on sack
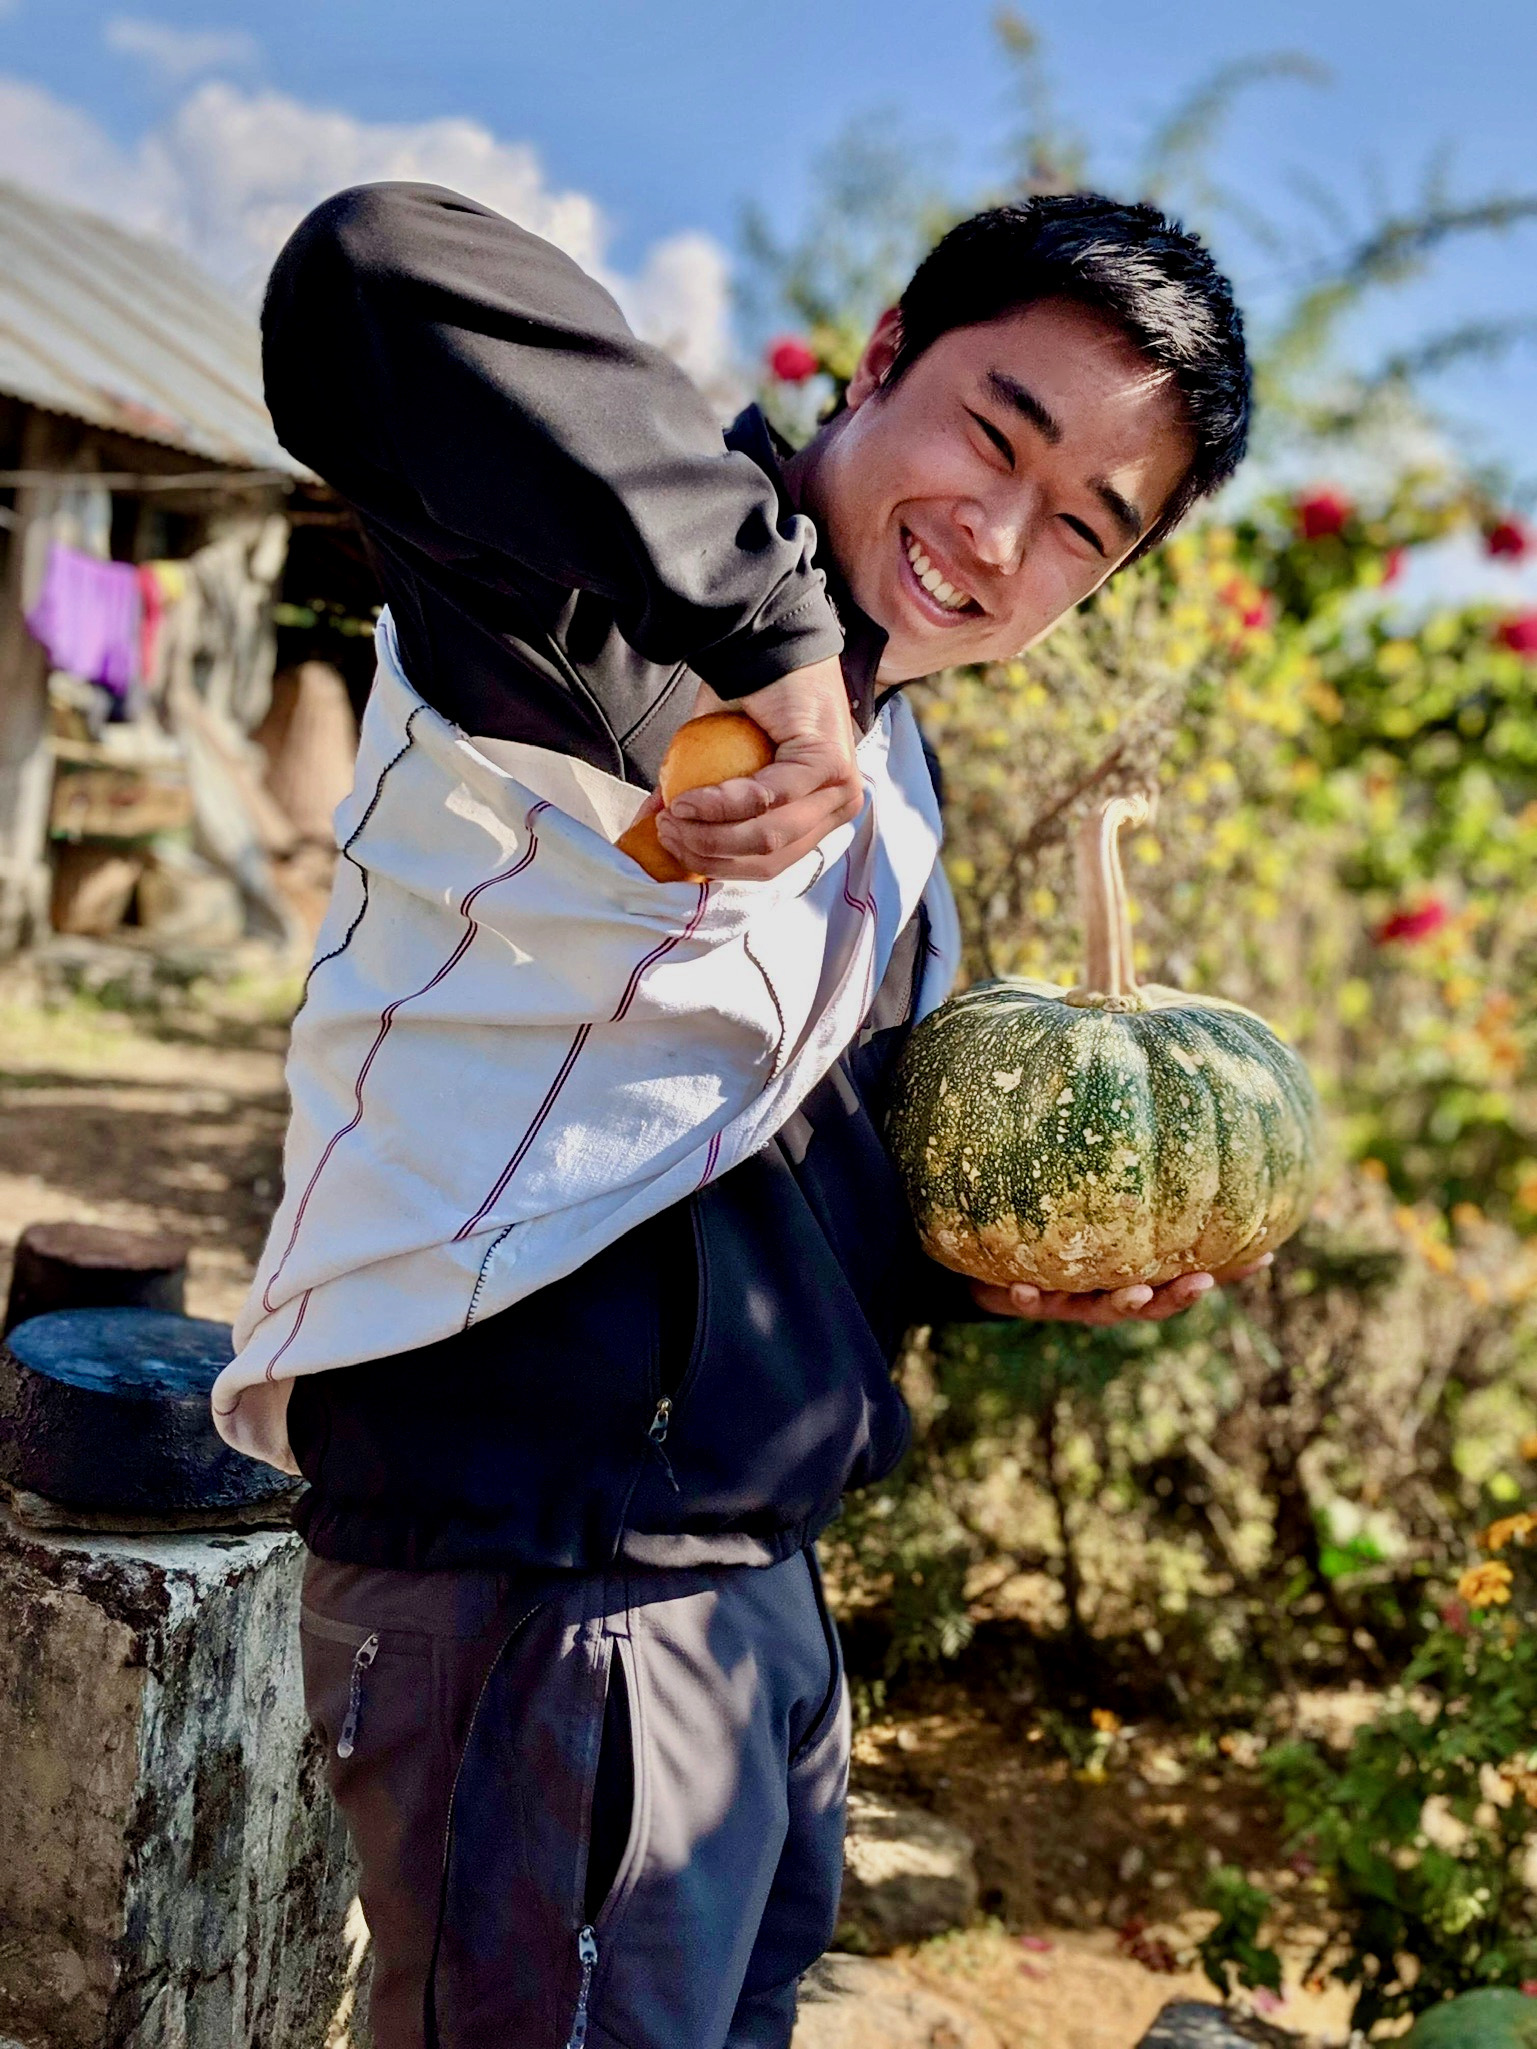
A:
x,y
573,1052
304,1303
632,987
386,1021
710,1158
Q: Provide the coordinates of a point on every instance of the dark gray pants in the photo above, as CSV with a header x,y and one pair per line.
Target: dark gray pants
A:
x,y
485,1757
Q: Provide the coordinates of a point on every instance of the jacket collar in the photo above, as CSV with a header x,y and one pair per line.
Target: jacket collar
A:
x,y
863,641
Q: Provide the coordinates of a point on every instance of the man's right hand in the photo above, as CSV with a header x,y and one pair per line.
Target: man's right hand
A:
x,y
755,827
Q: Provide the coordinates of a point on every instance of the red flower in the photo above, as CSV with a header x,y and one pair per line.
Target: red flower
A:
x,y
1509,538
1322,513
1455,1614
1392,565
1412,925
1255,607
1518,634
791,360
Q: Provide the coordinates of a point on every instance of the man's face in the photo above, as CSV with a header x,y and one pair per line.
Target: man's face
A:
x,y
997,483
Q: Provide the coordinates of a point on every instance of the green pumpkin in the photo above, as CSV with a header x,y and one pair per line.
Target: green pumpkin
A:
x,y
1478,2020
1090,1138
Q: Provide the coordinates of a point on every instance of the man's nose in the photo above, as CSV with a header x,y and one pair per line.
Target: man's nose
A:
x,y
998,526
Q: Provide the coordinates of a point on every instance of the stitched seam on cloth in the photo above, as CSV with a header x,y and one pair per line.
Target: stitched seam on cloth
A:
x,y
386,1024
347,854
662,697
480,1279
779,1044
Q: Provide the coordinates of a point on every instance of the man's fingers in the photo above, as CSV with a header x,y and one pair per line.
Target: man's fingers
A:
x,y
755,847
782,783
1242,1273
724,803
1175,1296
1139,1302
753,828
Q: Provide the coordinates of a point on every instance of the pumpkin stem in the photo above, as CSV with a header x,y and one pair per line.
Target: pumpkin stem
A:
x,y
1102,895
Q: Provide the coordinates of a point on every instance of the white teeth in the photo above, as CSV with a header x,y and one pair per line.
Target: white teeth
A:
x,y
937,586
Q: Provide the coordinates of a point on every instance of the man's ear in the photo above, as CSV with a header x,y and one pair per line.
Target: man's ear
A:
x,y
880,352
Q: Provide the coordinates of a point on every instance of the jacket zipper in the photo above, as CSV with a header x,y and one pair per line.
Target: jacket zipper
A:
x,y
363,1657
661,1423
587,1957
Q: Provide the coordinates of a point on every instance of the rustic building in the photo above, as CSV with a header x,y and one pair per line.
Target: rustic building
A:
x,y
133,433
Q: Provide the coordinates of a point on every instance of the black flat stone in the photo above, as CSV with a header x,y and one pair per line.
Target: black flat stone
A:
x,y
107,1409
1191,2024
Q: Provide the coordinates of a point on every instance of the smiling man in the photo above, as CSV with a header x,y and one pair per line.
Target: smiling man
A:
x,y
563,1631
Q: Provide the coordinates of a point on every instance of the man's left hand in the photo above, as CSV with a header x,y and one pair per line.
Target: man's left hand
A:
x,y
1138,1304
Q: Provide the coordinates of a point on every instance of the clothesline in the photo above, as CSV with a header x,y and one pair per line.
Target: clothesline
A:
x,y
126,480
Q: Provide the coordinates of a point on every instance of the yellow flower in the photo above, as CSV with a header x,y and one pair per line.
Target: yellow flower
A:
x,y
1106,1720
1500,1533
1486,1585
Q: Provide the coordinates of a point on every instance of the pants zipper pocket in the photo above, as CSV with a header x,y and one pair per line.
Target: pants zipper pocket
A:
x,y
587,1957
362,1658
430,2000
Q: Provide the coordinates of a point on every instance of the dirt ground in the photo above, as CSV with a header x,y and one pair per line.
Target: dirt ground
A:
x,y
178,1126
1089,1882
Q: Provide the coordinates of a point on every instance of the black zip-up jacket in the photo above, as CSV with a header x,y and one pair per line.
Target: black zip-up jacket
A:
x,y
566,543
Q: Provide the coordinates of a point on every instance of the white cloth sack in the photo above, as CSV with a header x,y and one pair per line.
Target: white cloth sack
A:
x,y
515,1046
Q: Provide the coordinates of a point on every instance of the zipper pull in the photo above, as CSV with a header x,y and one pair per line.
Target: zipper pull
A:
x,y
364,1656
587,1957
661,1423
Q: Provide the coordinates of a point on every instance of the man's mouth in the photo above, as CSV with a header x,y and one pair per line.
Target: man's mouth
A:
x,y
931,588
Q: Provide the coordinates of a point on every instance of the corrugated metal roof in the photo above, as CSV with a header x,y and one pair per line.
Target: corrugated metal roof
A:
x,y
120,330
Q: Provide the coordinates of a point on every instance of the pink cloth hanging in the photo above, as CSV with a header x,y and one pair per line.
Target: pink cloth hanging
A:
x,y
87,615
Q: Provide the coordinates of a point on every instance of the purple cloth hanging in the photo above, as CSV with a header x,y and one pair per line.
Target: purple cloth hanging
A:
x,y
87,616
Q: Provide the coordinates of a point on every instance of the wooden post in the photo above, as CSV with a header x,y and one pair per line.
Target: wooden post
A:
x,y
91,1266
26,760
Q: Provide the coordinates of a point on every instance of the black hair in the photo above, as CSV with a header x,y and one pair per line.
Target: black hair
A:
x,y
1157,282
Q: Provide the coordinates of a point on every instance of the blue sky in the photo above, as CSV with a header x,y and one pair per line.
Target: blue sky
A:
x,y
666,115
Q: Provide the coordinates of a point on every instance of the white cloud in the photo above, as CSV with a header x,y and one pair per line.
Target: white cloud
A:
x,y
230,172
180,53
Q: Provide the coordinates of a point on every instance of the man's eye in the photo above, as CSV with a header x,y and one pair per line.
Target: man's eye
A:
x,y
999,441
1084,532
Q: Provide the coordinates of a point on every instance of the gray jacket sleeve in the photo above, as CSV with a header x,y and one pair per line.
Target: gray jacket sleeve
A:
x,y
476,395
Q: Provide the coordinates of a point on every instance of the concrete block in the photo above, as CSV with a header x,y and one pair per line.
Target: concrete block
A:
x,y
174,1875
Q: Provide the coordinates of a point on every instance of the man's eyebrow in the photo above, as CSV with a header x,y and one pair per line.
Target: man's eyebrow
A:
x,y
1023,400
1121,510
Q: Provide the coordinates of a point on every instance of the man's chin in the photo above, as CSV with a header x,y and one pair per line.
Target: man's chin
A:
x,y
909,655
